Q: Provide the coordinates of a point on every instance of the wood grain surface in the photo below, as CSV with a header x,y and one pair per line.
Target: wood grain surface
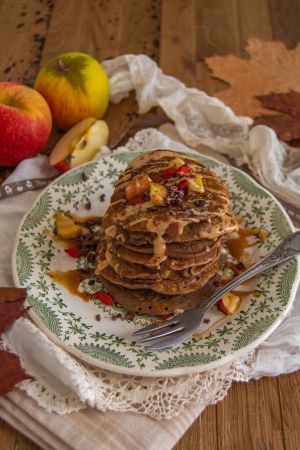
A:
x,y
178,34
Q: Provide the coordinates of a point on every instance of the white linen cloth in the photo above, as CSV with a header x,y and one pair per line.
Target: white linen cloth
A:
x,y
63,384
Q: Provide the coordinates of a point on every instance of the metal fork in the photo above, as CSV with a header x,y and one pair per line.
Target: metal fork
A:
x,y
175,331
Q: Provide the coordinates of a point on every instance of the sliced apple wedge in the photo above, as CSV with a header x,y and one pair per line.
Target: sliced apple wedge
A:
x,y
92,140
229,303
79,144
66,228
67,143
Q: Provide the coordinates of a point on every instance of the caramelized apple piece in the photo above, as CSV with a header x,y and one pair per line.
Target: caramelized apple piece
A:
x,y
158,194
177,162
137,187
229,303
196,184
66,228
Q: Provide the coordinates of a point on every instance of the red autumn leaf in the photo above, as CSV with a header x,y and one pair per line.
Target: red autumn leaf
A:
x,y
9,312
8,294
286,125
11,308
288,103
11,372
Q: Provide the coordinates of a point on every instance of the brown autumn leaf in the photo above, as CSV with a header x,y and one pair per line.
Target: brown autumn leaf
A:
x,y
11,372
271,67
9,312
11,308
287,124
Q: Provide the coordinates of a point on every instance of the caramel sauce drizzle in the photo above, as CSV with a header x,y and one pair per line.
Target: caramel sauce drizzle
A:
x,y
70,280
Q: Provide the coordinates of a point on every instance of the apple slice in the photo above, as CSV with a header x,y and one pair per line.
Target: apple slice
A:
x,y
137,187
229,303
93,139
68,142
66,228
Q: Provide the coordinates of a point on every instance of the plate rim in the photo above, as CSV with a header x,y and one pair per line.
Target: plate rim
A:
x,y
174,372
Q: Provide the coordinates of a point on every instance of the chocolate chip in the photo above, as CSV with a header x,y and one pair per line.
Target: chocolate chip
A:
x,y
88,205
84,177
91,256
175,197
206,320
200,203
240,266
102,197
98,317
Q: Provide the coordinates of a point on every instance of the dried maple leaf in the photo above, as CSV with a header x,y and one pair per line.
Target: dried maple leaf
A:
x,y
270,68
9,312
11,294
286,125
11,308
11,372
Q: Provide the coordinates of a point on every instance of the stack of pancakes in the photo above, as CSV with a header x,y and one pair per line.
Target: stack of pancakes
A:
x,y
161,252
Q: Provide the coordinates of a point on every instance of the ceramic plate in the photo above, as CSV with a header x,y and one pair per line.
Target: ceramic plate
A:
x,y
71,323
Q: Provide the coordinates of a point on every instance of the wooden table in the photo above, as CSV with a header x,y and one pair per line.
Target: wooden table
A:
x,y
262,414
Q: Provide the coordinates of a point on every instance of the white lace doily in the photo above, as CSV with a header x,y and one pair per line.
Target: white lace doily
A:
x,y
63,385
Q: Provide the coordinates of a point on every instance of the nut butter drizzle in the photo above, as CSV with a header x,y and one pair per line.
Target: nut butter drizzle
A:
x,y
130,216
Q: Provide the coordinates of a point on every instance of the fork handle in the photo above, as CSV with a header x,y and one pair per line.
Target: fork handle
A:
x,y
286,250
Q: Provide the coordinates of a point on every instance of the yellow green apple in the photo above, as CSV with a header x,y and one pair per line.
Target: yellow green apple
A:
x,y
75,87
25,123
79,144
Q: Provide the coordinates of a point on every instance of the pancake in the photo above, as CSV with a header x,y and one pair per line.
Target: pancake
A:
x,y
192,232
168,286
162,245
174,263
150,302
131,270
188,250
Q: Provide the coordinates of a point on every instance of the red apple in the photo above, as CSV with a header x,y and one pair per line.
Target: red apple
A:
x,y
25,123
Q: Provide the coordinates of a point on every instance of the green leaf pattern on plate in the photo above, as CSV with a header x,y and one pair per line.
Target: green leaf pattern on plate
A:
x,y
105,354
190,360
24,262
49,318
37,214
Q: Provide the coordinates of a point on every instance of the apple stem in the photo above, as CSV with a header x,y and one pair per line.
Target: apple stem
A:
x,y
62,65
